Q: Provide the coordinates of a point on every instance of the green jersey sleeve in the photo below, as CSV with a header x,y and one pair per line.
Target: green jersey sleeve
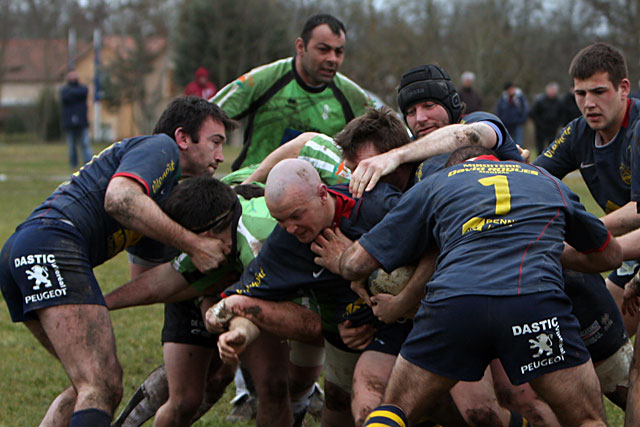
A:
x,y
326,156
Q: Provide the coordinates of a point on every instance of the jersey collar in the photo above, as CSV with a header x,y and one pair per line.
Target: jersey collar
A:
x,y
344,207
625,120
303,85
485,157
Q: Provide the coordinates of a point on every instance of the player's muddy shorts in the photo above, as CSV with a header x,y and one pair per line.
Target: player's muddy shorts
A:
x,y
45,263
624,273
183,324
601,325
531,334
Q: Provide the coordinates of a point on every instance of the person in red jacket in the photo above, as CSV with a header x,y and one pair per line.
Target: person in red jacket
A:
x,y
201,85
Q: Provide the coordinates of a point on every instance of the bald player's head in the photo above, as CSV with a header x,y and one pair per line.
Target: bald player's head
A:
x,y
298,200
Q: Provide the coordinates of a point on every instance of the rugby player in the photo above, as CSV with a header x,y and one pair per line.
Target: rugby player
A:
x,y
46,274
475,213
169,287
600,320
303,207
293,95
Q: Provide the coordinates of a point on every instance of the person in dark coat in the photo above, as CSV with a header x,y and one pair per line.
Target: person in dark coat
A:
x,y
512,108
74,118
468,94
546,116
569,110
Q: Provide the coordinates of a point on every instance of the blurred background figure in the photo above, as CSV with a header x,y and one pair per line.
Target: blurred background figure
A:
x,y
569,109
635,93
73,96
546,116
512,108
201,85
468,94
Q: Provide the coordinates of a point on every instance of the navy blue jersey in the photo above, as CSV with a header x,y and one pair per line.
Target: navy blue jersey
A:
x,y
605,169
284,268
152,161
499,226
506,150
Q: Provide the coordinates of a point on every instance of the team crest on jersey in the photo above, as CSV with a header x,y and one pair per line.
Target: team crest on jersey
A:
x,y
325,112
625,173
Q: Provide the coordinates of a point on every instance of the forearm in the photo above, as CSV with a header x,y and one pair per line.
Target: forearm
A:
x,y
622,220
414,291
290,150
595,262
356,263
153,286
246,327
446,140
127,204
630,244
285,319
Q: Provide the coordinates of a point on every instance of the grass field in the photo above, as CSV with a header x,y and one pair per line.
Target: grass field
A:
x,y
30,377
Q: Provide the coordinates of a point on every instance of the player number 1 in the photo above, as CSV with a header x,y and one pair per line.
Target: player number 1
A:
x,y
503,196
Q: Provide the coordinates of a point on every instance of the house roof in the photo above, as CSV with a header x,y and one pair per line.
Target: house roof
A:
x,y
35,60
39,60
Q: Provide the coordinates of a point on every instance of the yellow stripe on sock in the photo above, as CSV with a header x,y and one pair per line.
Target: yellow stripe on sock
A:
x,y
387,414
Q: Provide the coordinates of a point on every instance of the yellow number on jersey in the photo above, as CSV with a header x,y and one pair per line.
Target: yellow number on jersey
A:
x,y
503,201
503,196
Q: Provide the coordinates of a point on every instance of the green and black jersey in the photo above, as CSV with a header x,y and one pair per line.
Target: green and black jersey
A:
x,y
278,105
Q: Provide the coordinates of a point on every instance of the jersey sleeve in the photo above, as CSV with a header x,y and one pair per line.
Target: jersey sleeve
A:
x,y
584,231
153,162
326,157
408,219
236,97
505,149
558,158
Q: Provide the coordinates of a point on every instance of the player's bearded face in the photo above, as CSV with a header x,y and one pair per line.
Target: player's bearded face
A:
x,y
425,117
322,56
204,156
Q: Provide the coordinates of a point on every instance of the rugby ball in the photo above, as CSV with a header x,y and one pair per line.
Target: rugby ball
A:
x,y
381,282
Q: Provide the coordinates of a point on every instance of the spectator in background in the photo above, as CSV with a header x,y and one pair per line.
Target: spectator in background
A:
x,y
569,110
468,94
74,118
546,116
201,85
512,108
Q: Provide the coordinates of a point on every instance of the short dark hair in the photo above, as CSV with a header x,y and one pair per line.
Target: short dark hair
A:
x,y
379,126
597,58
201,203
249,191
334,24
467,152
189,112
